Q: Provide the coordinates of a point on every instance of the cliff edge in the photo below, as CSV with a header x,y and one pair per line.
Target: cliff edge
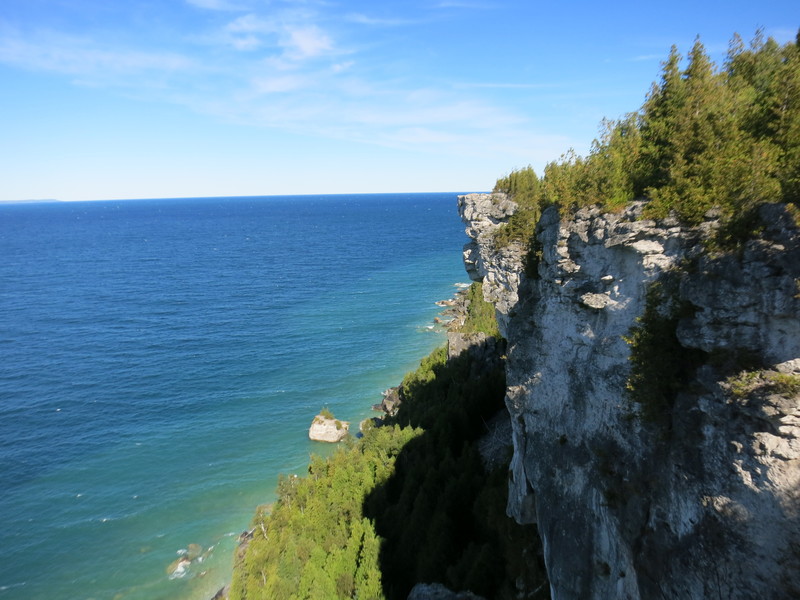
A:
x,y
654,392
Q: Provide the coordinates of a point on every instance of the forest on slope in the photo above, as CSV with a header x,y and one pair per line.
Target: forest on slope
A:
x,y
410,501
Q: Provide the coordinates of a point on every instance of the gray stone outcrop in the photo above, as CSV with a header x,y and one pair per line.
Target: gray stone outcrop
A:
x,y
706,502
499,268
324,429
436,591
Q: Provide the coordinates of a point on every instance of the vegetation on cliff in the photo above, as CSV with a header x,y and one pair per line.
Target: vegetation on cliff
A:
x,y
480,314
411,501
660,366
704,138
316,542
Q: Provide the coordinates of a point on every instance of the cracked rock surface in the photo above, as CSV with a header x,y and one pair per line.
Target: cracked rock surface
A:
x,y
705,502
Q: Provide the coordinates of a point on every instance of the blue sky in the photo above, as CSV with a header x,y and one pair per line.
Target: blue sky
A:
x,y
162,98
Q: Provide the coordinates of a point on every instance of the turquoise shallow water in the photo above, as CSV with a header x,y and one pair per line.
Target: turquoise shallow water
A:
x,y
162,361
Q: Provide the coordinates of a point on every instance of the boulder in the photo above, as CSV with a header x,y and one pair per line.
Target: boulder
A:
x,y
324,429
391,401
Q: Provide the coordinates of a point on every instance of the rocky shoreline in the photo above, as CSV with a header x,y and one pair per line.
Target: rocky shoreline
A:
x,y
451,318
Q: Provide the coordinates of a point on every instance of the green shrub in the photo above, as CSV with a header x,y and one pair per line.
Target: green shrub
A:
x,y
785,384
480,313
743,383
660,366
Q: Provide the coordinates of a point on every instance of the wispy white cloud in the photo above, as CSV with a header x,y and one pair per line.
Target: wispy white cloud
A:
x,y
252,23
297,39
224,5
506,86
363,19
73,55
248,32
279,84
466,4
343,66
246,42
647,57
294,70
385,114
306,41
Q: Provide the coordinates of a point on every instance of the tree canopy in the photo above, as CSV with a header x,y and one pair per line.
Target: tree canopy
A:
x,y
726,138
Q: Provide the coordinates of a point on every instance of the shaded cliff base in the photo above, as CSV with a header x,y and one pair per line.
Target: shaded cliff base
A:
x,y
420,499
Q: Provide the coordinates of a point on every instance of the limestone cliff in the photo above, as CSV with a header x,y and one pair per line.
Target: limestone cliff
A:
x,y
688,484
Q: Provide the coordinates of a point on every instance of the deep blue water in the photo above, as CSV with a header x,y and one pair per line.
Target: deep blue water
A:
x,y
161,361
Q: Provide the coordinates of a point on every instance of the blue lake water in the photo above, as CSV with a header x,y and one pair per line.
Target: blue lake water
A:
x,y
161,361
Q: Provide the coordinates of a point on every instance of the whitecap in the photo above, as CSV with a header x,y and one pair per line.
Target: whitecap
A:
x,y
181,569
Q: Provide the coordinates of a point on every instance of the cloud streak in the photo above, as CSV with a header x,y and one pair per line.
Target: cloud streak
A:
x,y
306,42
70,55
466,5
221,5
296,40
363,19
507,85
294,70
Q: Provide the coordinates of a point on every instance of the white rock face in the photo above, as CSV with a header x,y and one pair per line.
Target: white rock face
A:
x,y
704,503
498,269
328,430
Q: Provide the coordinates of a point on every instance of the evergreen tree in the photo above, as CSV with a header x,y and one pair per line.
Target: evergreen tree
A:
x,y
702,139
787,110
659,125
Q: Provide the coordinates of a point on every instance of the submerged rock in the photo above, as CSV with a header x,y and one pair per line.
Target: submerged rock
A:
x,y
178,567
324,429
193,551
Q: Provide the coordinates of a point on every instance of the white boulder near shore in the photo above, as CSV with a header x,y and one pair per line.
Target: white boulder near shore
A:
x,y
328,429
